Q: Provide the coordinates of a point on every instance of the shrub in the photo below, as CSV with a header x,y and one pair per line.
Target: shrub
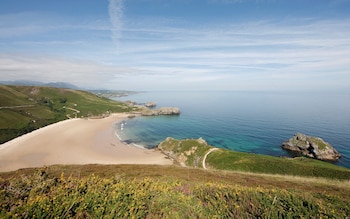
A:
x,y
41,196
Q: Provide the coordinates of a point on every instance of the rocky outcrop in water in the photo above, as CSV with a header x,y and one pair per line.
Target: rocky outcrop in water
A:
x,y
150,104
310,146
161,111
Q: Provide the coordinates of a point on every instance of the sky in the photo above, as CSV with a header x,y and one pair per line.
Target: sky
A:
x,y
255,45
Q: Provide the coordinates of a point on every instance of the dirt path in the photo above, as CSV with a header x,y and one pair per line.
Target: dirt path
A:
x,y
205,156
14,107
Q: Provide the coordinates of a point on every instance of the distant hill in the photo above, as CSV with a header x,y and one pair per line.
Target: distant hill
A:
x,y
37,83
62,85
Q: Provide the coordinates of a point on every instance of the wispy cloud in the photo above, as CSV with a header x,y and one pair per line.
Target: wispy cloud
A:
x,y
115,9
255,55
171,53
311,53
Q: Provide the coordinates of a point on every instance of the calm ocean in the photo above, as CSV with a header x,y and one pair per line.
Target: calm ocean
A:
x,y
256,122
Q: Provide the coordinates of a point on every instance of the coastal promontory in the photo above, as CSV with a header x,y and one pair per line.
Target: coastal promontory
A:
x,y
311,146
148,109
160,111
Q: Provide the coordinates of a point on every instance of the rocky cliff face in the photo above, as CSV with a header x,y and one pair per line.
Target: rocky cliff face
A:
x,y
310,146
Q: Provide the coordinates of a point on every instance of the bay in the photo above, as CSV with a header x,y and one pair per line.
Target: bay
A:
x,y
256,122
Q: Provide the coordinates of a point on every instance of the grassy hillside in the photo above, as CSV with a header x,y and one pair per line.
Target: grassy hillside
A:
x,y
300,166
144,191
25,108
191,152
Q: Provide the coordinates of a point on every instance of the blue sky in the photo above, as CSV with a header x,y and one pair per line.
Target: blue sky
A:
x,y
260,45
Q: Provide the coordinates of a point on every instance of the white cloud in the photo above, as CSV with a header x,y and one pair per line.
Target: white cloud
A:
x,y
313,52
86,74
159,53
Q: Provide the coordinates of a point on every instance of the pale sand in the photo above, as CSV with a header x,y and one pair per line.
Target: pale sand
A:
x,y
75,141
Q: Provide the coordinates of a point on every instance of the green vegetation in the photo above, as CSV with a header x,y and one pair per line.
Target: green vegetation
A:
x,y
26,108
319,142
137,191
304,143
301,166
236,185
191,153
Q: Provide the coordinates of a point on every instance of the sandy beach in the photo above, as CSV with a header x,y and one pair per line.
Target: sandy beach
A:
x,y
75,141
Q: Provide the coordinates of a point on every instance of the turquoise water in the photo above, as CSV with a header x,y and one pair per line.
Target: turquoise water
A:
x,y
243,121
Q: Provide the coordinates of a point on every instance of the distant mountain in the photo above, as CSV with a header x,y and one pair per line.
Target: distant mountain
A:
x,y
62,85
38,83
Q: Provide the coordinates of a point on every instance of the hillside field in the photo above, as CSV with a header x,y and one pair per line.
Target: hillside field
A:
x,y
26,108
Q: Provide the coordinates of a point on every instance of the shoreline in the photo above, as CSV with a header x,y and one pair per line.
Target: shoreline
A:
x,y
75,141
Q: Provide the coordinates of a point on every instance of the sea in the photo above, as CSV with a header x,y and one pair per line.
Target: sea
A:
x,y
246,121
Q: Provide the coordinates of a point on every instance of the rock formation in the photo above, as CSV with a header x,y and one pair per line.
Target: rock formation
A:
x,y
130,103
150,104
161,111
310,146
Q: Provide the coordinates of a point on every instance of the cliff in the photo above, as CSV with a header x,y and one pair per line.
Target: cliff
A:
x,y
310,146
187,152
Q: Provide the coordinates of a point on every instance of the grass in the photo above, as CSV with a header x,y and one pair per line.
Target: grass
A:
x,y
150,191
321,144
11,119
7,95
247,162
305,143
237,185
41,106
191,152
